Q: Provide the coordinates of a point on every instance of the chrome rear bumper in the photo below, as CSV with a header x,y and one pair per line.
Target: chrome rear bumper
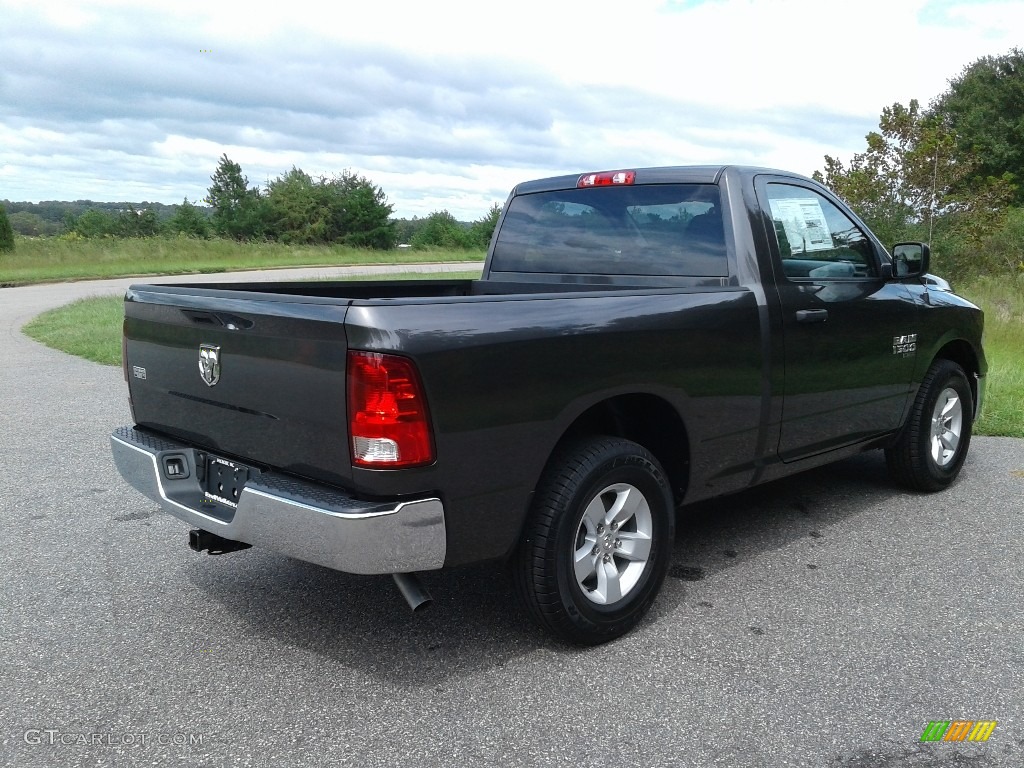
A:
x,y
295,517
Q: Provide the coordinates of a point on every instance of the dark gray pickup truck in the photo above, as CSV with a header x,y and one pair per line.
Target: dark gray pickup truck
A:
x,y
639,340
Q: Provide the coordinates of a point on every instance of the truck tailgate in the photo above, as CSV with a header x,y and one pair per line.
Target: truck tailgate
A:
x,y
255,376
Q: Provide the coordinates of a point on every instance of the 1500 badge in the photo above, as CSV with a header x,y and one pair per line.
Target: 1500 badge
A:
x,y
905,346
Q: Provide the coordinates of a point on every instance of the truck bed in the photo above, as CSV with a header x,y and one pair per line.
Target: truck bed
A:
x,y
495,360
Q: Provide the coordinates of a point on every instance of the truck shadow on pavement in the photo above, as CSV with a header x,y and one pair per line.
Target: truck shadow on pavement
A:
x,y
716,535
475,622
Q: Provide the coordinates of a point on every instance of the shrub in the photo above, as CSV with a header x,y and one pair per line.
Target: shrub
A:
x,y
6,231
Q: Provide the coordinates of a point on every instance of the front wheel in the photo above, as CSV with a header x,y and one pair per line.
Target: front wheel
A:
x,y
598,541
932,446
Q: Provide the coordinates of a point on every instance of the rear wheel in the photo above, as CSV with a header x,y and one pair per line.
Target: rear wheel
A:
x,y
931,448
598,541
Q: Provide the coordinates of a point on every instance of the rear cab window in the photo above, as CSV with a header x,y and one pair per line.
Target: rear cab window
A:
x,y
656,229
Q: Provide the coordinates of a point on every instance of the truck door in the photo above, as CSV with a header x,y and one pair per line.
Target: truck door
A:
x,y
849,354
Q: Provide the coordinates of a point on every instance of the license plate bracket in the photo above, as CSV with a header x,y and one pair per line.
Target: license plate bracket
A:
x,y
224,480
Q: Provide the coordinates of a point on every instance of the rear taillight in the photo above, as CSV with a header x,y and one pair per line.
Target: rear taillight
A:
x,y
387,412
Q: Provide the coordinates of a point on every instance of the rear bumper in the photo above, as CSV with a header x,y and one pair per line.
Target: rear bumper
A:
x,y
295,517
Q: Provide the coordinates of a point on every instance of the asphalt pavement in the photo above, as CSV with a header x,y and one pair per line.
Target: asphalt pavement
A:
x,y
823,620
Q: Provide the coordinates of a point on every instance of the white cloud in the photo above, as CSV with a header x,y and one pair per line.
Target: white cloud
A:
x,y
448,104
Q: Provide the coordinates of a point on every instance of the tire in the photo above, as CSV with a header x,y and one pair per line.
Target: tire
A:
x,y
931,448
598,541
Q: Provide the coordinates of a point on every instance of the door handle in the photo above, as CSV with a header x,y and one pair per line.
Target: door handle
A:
x,y
811,315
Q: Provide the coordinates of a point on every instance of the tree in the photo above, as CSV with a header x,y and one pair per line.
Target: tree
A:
x,y
135,223
188,221
299,210
345,208
483,228
406,229
442,230
237,209
910,182
6,232
32,224
93,223
1004,249
364,216
984,107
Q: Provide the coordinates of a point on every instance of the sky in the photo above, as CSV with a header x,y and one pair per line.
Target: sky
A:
x,y
447,105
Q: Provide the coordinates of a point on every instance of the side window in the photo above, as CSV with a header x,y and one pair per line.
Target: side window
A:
x,y
816,239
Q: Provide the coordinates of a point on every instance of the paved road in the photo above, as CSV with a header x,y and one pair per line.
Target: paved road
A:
x,y
819,621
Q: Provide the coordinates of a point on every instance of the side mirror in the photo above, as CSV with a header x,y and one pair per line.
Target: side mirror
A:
x,y
910,259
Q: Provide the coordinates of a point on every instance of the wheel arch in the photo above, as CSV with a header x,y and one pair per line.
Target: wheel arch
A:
x,y
646,419
963,354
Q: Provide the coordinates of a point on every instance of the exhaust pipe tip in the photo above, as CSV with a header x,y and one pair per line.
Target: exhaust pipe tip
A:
x,y
413,591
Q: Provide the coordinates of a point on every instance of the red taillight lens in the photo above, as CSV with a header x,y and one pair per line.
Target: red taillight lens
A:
x,y
606,179
387,412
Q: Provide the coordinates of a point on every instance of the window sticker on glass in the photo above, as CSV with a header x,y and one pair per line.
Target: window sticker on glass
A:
x,y
804,222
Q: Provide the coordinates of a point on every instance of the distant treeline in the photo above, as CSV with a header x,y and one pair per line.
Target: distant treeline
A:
x,y
345,208
51,217
293,208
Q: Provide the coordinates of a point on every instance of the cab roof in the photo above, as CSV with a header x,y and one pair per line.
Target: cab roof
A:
x,y
673,174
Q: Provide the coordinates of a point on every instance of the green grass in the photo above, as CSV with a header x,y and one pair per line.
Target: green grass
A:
x,y
1003,302
91,328
50,259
